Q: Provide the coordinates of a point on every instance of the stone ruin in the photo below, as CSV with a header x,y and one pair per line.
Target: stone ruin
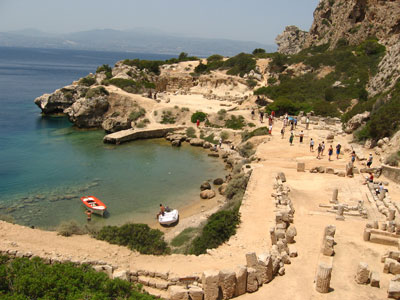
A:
x,y
383,202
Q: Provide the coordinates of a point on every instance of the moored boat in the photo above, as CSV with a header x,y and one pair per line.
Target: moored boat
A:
x,y
169,217
94,205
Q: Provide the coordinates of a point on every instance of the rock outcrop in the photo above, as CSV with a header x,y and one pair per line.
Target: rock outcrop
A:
x,y
291,41
88,113
357,121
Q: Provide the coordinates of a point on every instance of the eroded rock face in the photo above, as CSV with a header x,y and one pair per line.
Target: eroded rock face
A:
x,y
88,113
114,124
356,122
61,99
291,41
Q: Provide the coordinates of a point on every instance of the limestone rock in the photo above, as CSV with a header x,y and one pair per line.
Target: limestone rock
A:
x,y
291,41
113,124
196,142
222,188
88,113
363,272
120,274
205,186
394,289
227,282
178,293
252,282
241,281
195,293
207,194
210,281
291,232
375,279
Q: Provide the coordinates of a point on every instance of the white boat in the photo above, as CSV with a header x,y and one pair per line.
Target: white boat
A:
x,y
169,217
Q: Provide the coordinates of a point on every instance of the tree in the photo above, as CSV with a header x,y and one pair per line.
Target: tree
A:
x,y
183,56
258,50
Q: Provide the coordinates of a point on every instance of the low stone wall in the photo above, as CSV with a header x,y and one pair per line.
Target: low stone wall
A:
x,y
128,135
392,173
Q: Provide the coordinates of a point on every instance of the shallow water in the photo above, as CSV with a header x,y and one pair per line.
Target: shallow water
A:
x,y
46,165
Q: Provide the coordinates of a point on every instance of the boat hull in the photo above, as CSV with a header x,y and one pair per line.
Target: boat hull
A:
x,y
169,218
94,205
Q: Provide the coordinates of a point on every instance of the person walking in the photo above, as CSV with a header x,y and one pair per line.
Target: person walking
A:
x,y
322,148
261,116
220,143
301,137
197,123
283,132
319,151
369,161
252,114
295,123
338,147
330,152
270,129
311,145
307,123
291,138
353,157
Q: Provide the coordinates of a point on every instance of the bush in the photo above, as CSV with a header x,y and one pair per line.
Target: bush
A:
x,y
106,69
96,92
201,68
139,237
213,58
221,114
22,278
198,116
256,132
258,51
225,135
240,64
235,122
137,113
150,65
210,138
219,228
87,81
237,185
251,83
167,117
70,228
246,150
184,237
191,132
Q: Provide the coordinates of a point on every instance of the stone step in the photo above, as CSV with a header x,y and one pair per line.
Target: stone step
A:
x,y
154,282
157,293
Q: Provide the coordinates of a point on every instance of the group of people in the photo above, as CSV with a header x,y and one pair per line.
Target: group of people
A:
x,y
321,149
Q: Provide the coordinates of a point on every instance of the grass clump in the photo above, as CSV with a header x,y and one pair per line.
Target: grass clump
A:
x,y
87,81
21,278
168,117
199,115
191,132
184,237
225,135
96,92
210,138
235,122
221,114
137,113
246,150
139,237
256,132
69,228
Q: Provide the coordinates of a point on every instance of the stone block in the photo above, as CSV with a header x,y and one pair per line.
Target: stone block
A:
x,y
291,232
363,272
265,267
301,167
178,293
241,281
387,265
375,279
210,282
394,289
252,282
195,293
120,274
292,251
227,283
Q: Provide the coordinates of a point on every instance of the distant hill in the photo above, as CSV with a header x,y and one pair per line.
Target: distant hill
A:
x,y
140,40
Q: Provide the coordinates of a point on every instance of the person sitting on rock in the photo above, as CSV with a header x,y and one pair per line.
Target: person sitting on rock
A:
x,y
369,179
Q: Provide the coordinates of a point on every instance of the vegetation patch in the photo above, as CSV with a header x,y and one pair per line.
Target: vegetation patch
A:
x,y
137,113
106,69
191,132
21,278
198,116
168,117
246,150
69,228
235,122
256,132
87,81
139,237
96,92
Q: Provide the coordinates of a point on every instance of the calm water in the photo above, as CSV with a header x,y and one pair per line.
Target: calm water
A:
x,y
46,165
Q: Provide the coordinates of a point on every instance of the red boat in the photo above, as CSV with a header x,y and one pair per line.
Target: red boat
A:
x,y
94,205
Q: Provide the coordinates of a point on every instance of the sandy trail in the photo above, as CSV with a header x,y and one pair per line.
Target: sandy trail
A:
x,y
257,215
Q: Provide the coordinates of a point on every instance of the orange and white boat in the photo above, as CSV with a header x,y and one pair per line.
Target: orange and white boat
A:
x,y
94,205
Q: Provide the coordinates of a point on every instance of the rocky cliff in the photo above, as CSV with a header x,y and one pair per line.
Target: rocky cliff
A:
x,y
350,22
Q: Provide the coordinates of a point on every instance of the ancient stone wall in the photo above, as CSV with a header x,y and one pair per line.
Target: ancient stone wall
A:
x,y
392,173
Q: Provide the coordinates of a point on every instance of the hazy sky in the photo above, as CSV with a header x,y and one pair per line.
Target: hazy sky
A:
x,y
255,20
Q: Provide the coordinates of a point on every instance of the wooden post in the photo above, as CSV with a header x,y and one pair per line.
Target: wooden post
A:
x,y
323,278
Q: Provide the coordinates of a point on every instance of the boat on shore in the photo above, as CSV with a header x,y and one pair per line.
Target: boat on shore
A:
x,y
169,217
94,205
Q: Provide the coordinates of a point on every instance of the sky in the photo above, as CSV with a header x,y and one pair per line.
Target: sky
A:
x,y
247,20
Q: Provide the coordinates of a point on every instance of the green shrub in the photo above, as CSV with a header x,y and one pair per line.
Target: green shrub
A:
x,y
225,135
210,138
240,64
198,116
256,132
221,114
106,69
201,68
219,228
96,92
237,185
183,109
69,228
167,117
184,237
21,278
87,81
235,122
251,124
139,237
213,58
137,113
191,132
258,51
246,150
150,65
251,83
272,80
141,124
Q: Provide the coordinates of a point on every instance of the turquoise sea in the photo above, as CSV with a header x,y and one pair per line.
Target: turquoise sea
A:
x,y
46,164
